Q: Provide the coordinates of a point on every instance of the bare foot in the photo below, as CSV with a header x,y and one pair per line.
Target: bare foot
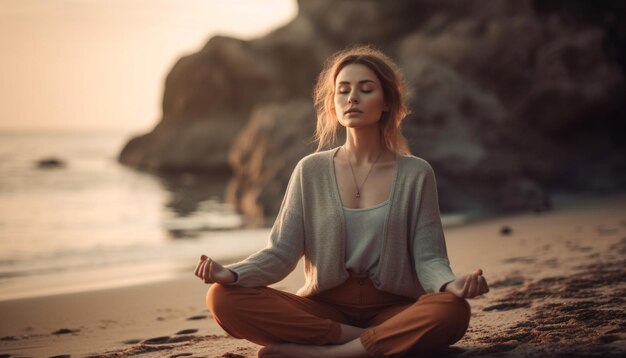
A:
x,y
291,350
348,333
352,349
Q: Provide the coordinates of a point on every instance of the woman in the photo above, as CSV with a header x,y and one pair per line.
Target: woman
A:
x,y
365,216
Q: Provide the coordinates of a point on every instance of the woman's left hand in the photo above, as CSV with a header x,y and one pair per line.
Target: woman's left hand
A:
x,y
469,286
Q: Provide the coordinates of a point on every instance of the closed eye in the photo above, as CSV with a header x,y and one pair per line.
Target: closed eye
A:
x,y
363,90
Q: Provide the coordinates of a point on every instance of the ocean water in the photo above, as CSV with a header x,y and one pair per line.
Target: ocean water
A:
x,y
95,223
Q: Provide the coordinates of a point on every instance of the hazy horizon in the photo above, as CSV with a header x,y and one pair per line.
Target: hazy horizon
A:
x,y
75,65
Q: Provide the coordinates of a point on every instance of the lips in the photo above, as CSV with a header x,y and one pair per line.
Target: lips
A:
x,y
352,110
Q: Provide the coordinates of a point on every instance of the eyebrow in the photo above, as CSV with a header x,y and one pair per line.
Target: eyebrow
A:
x,y
361,81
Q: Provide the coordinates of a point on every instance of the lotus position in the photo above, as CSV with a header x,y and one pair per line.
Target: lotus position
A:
x,y
365,217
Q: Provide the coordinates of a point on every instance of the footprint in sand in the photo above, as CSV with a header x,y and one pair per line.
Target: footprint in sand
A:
x,y
186,331
167,339
157,340
132,341
508,282
507,306
606,231
65,331
198,317
179,339
522,259
181,336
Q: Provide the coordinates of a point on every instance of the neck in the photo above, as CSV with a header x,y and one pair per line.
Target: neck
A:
x,y
364,144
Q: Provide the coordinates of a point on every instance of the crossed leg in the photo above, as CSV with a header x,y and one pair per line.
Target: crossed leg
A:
x,y
272,318
264,315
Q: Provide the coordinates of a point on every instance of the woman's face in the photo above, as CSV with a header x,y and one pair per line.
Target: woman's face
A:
x,y
359,99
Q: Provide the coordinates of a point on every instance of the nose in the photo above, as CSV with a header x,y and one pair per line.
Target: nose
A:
x,y
352,99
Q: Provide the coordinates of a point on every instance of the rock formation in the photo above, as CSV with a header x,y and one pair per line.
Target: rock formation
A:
x,y
510,100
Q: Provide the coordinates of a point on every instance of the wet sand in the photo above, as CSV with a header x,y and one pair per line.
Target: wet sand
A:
x,y
558,288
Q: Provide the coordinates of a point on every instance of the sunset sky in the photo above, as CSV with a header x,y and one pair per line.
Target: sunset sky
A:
x,y
87,64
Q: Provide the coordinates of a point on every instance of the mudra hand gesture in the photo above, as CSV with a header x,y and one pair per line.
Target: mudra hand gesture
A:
x,y
212,272
469,286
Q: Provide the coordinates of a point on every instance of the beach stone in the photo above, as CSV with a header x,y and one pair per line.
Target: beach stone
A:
x,y
506,230
510,100
50,163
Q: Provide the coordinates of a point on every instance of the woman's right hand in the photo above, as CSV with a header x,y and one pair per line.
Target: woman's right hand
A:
x,y
212,272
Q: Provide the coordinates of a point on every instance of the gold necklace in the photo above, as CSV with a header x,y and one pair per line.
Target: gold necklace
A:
x,y
358,188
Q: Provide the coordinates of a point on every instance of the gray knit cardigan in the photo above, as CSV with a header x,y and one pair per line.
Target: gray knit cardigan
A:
x,y
311,222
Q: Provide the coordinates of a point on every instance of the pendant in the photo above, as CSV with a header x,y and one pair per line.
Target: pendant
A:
x,y
358,195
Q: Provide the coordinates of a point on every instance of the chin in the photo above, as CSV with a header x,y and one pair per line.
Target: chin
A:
x,y
358,124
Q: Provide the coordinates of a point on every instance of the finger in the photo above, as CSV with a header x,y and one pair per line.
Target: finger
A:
x,y
483,287
207,271
211,270
205,268
197,271
465,287
198,268
476,285
201,269
471,292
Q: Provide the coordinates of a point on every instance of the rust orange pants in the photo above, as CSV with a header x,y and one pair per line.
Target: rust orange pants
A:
x,y
395,324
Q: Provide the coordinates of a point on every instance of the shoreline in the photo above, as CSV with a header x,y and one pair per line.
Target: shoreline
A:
x,y
534,270
137,273
132,268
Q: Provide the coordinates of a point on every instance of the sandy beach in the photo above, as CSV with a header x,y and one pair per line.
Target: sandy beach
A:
x,y
558,287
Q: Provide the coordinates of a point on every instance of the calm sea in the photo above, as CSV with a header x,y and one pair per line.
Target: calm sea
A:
x,y
94,223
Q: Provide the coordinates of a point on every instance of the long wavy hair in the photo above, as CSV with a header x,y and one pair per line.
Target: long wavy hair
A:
x,y
394,91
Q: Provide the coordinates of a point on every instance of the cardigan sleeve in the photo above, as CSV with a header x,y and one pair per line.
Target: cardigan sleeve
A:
x,y
429,246
285,245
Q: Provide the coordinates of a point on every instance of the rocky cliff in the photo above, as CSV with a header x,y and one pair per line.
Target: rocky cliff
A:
x,y
510,100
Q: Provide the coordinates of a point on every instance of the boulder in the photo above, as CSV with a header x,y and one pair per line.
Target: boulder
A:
x,y
463,132
264,154
510,100
552,77
209,96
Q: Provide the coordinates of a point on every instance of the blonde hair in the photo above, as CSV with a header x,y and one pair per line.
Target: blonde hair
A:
x,y
394,91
